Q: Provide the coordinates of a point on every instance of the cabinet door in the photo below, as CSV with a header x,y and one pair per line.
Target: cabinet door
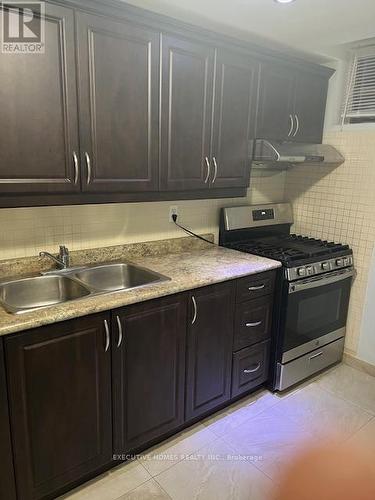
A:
x,y
119,99
187,87
210,339
275,107
38,103
60,404
148,371
234,119
7,485
309,107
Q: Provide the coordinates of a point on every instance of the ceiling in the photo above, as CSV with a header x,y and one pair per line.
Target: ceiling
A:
x,y
314,26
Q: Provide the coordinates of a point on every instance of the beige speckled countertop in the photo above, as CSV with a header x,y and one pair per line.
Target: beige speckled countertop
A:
x,y
187,262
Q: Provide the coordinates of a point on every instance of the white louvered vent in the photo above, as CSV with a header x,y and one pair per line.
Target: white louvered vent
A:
x,y
359,102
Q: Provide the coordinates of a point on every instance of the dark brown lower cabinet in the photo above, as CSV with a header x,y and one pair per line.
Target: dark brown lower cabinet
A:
x,y
252,322
209,344
7,485
60,404
250,368
114,383
148,376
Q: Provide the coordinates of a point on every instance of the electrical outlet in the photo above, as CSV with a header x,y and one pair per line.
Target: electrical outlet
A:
x,y
173,210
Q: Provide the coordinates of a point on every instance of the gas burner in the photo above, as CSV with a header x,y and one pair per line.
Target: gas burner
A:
x,y
301,255
291,249
273,251
323,244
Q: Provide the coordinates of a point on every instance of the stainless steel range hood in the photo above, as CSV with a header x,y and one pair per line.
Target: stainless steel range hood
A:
x,y
274,154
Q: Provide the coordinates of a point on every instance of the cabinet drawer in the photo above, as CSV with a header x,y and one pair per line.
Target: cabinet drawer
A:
x,y
252,322
250,368
255,286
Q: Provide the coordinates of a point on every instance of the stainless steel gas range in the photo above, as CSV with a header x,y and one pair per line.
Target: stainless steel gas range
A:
x,y
312,294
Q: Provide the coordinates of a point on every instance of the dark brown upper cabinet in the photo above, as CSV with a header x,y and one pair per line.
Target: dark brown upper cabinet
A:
x,y
209,344
206,123
309,106
119,112
7,484
148,377
38,105
291,103
59,380
234,119
186,113
120,109
276,88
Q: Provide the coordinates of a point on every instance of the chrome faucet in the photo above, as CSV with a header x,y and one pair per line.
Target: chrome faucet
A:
x,y
62,260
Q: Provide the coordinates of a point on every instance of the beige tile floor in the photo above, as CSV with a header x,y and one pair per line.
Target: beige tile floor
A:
x,y
238,453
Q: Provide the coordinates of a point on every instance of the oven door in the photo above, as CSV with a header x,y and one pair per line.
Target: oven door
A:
x,y
316,312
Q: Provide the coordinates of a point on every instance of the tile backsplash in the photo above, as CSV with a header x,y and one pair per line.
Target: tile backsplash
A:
x,y
339,204
26,231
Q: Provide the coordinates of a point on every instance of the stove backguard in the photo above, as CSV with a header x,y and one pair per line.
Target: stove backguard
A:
x,y
229,238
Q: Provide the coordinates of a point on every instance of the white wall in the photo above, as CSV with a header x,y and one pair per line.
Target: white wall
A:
x,y
364,324
366,348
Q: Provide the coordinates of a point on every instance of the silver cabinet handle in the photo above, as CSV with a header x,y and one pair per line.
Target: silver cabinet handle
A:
x,y
252,370
251,325
316,355
254,288
291,125
297,126
88,164
119,324
107,337
215,172
195,310
208,169
75,163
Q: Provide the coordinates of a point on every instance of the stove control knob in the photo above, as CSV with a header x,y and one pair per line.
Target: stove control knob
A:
x,y
301,271
325,266
345,261
309,270
339,262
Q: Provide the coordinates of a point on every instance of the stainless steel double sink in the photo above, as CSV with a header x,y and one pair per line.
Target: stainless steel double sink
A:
x,y
56,287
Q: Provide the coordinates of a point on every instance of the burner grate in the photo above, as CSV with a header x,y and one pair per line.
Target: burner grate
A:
x,y
291,248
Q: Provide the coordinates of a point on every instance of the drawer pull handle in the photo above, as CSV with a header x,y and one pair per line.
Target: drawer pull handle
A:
x,y
252,325
316,355
258,287
252,370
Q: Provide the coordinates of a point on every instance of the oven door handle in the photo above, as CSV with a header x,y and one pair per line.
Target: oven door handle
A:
x,y
323,280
